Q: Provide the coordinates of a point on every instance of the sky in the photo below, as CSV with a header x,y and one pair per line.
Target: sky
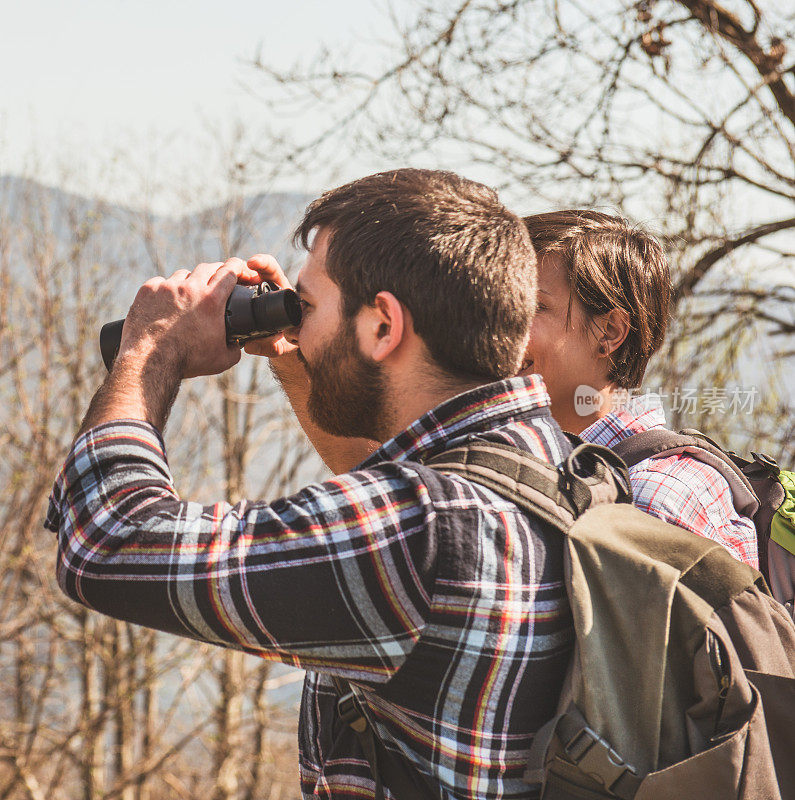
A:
x,y
81,79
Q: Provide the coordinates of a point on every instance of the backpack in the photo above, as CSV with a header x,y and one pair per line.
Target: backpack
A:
x,y
696,693
760,490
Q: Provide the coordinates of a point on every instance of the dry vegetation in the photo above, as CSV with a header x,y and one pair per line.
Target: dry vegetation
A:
x,y
96,708
678,113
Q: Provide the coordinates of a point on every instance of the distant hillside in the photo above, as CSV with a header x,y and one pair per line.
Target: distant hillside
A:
x,y
130,245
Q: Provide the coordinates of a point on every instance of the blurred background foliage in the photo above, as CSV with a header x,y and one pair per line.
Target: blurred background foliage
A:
x,y
679,114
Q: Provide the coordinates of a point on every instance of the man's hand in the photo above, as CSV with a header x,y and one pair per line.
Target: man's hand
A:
x,y
174,330
181,318
267,269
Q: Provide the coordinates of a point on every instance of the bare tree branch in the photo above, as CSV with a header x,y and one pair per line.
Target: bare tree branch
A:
x,y
688,283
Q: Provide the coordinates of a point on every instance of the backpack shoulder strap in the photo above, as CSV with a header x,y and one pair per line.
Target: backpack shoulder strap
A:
x,y
651,443
388,768
590,475
660,442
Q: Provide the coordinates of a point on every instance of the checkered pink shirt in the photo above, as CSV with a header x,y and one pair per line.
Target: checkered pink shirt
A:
x,y
678,488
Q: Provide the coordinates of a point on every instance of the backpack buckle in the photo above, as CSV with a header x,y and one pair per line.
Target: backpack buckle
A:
x,y
350,713
771,464
594,756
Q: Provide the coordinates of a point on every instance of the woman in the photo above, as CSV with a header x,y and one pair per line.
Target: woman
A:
x,y
603,296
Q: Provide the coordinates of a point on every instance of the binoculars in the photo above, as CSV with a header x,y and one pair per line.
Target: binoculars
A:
x,y
251,313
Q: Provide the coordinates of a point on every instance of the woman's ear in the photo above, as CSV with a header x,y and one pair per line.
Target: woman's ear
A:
x,y
613,327
382,326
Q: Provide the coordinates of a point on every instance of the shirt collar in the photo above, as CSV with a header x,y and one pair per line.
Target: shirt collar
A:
x,y
474,411
640,413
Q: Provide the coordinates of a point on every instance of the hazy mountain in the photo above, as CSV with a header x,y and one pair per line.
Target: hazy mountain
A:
x,y
126,246
130,242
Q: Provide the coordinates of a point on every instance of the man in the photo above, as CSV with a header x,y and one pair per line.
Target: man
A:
x,y
440,601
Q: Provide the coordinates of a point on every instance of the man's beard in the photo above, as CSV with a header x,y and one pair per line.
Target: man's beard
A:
x,y
347,394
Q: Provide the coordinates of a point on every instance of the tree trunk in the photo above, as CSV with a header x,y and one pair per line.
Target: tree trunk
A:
x,y
91,767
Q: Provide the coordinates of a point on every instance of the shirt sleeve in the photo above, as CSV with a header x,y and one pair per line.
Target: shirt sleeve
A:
x,y
693,495
337,578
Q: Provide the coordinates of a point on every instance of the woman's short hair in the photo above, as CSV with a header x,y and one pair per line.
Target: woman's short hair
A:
x,y
611,263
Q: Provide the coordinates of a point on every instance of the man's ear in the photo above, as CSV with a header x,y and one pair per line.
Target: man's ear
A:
x,y
383,326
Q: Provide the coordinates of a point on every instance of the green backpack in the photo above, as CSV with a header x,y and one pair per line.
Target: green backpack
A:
x,y
761,490
682,680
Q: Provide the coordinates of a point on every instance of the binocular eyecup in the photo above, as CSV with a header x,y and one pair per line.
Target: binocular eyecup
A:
x,y
252,312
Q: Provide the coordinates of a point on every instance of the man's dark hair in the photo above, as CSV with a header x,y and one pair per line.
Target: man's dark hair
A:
x,y
445,247
611,263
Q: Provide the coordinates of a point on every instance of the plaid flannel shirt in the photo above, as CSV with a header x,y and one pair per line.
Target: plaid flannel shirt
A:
x,y
678,488
442,602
